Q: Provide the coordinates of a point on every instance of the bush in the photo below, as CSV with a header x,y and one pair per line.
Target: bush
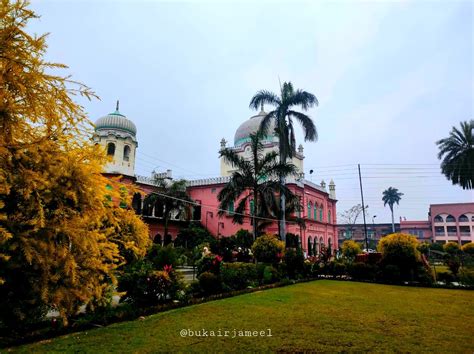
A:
x,y
466,277
468,248
210,283
146,286
350,249
193,236
268,249
268,274
210,263
243,239
294,260
239,276
400,250
362,271
445,277
452,248
292,241
391,273
161,256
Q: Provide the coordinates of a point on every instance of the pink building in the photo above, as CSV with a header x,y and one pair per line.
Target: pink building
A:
x,y
319,213
452,222
117,134
447,222
421,229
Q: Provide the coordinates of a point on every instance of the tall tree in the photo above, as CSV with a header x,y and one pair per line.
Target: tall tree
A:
x,y
254,180
391,196
172,197
457,154
283,114
57,221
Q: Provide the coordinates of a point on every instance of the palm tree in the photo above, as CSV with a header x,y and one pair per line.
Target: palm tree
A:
x,y
254,179
283,115
170,197
390,197
458,152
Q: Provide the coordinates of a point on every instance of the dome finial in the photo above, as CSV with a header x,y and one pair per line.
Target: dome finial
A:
x,y
117,107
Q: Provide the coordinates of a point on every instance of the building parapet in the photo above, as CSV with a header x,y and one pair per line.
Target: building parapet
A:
x,y
208,181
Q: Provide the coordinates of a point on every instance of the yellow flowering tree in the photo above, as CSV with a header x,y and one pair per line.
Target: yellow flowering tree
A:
x,y
60,237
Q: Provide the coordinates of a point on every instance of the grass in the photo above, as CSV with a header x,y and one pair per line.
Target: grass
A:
x,y
328,316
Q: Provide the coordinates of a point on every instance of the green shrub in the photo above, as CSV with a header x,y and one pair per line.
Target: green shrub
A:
x,y
362,271
243,239
161,256
466,277
400,250
210,283
391,273
452,248
210,263
468,248
268,249
350,249
145,286
270,275
339,269
239,276
294,260
445,277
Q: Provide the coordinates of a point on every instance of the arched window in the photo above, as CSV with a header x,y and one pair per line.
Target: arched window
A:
x,y
309,210
168,239
321,244
329,216
321,214
310,249
329,244
158,208
450,218
158,239
463,218
315,211
438,218
126,153
110,149
137,203
315,246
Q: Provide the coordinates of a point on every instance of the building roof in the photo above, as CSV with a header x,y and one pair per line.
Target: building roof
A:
x,y
116,121
242,134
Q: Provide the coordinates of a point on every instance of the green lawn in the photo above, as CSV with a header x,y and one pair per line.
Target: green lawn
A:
x,y
322,315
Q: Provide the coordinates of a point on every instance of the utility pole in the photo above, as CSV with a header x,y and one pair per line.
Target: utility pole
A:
x,y
363,211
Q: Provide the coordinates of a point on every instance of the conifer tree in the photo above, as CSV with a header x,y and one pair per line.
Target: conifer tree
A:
x,y
61,234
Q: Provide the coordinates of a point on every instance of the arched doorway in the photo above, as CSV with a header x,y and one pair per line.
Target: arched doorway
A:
x,y
137,203
315,246
321,244
310,247
168,240
158,239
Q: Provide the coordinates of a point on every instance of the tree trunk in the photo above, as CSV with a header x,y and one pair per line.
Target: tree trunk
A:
x,y
393,221
282,224
255,209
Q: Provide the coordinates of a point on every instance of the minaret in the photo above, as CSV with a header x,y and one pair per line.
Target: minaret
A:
x,y
332,190
323,184
117,135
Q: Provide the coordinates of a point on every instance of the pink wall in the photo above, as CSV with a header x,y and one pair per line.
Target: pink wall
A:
x,y
207,196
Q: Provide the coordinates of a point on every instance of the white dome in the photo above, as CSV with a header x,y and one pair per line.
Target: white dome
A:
x,y
250,126
116,121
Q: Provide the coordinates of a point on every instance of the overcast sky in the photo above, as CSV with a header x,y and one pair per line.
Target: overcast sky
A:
x,y
391,78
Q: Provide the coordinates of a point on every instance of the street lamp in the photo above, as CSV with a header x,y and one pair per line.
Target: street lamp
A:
x,y
373,225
